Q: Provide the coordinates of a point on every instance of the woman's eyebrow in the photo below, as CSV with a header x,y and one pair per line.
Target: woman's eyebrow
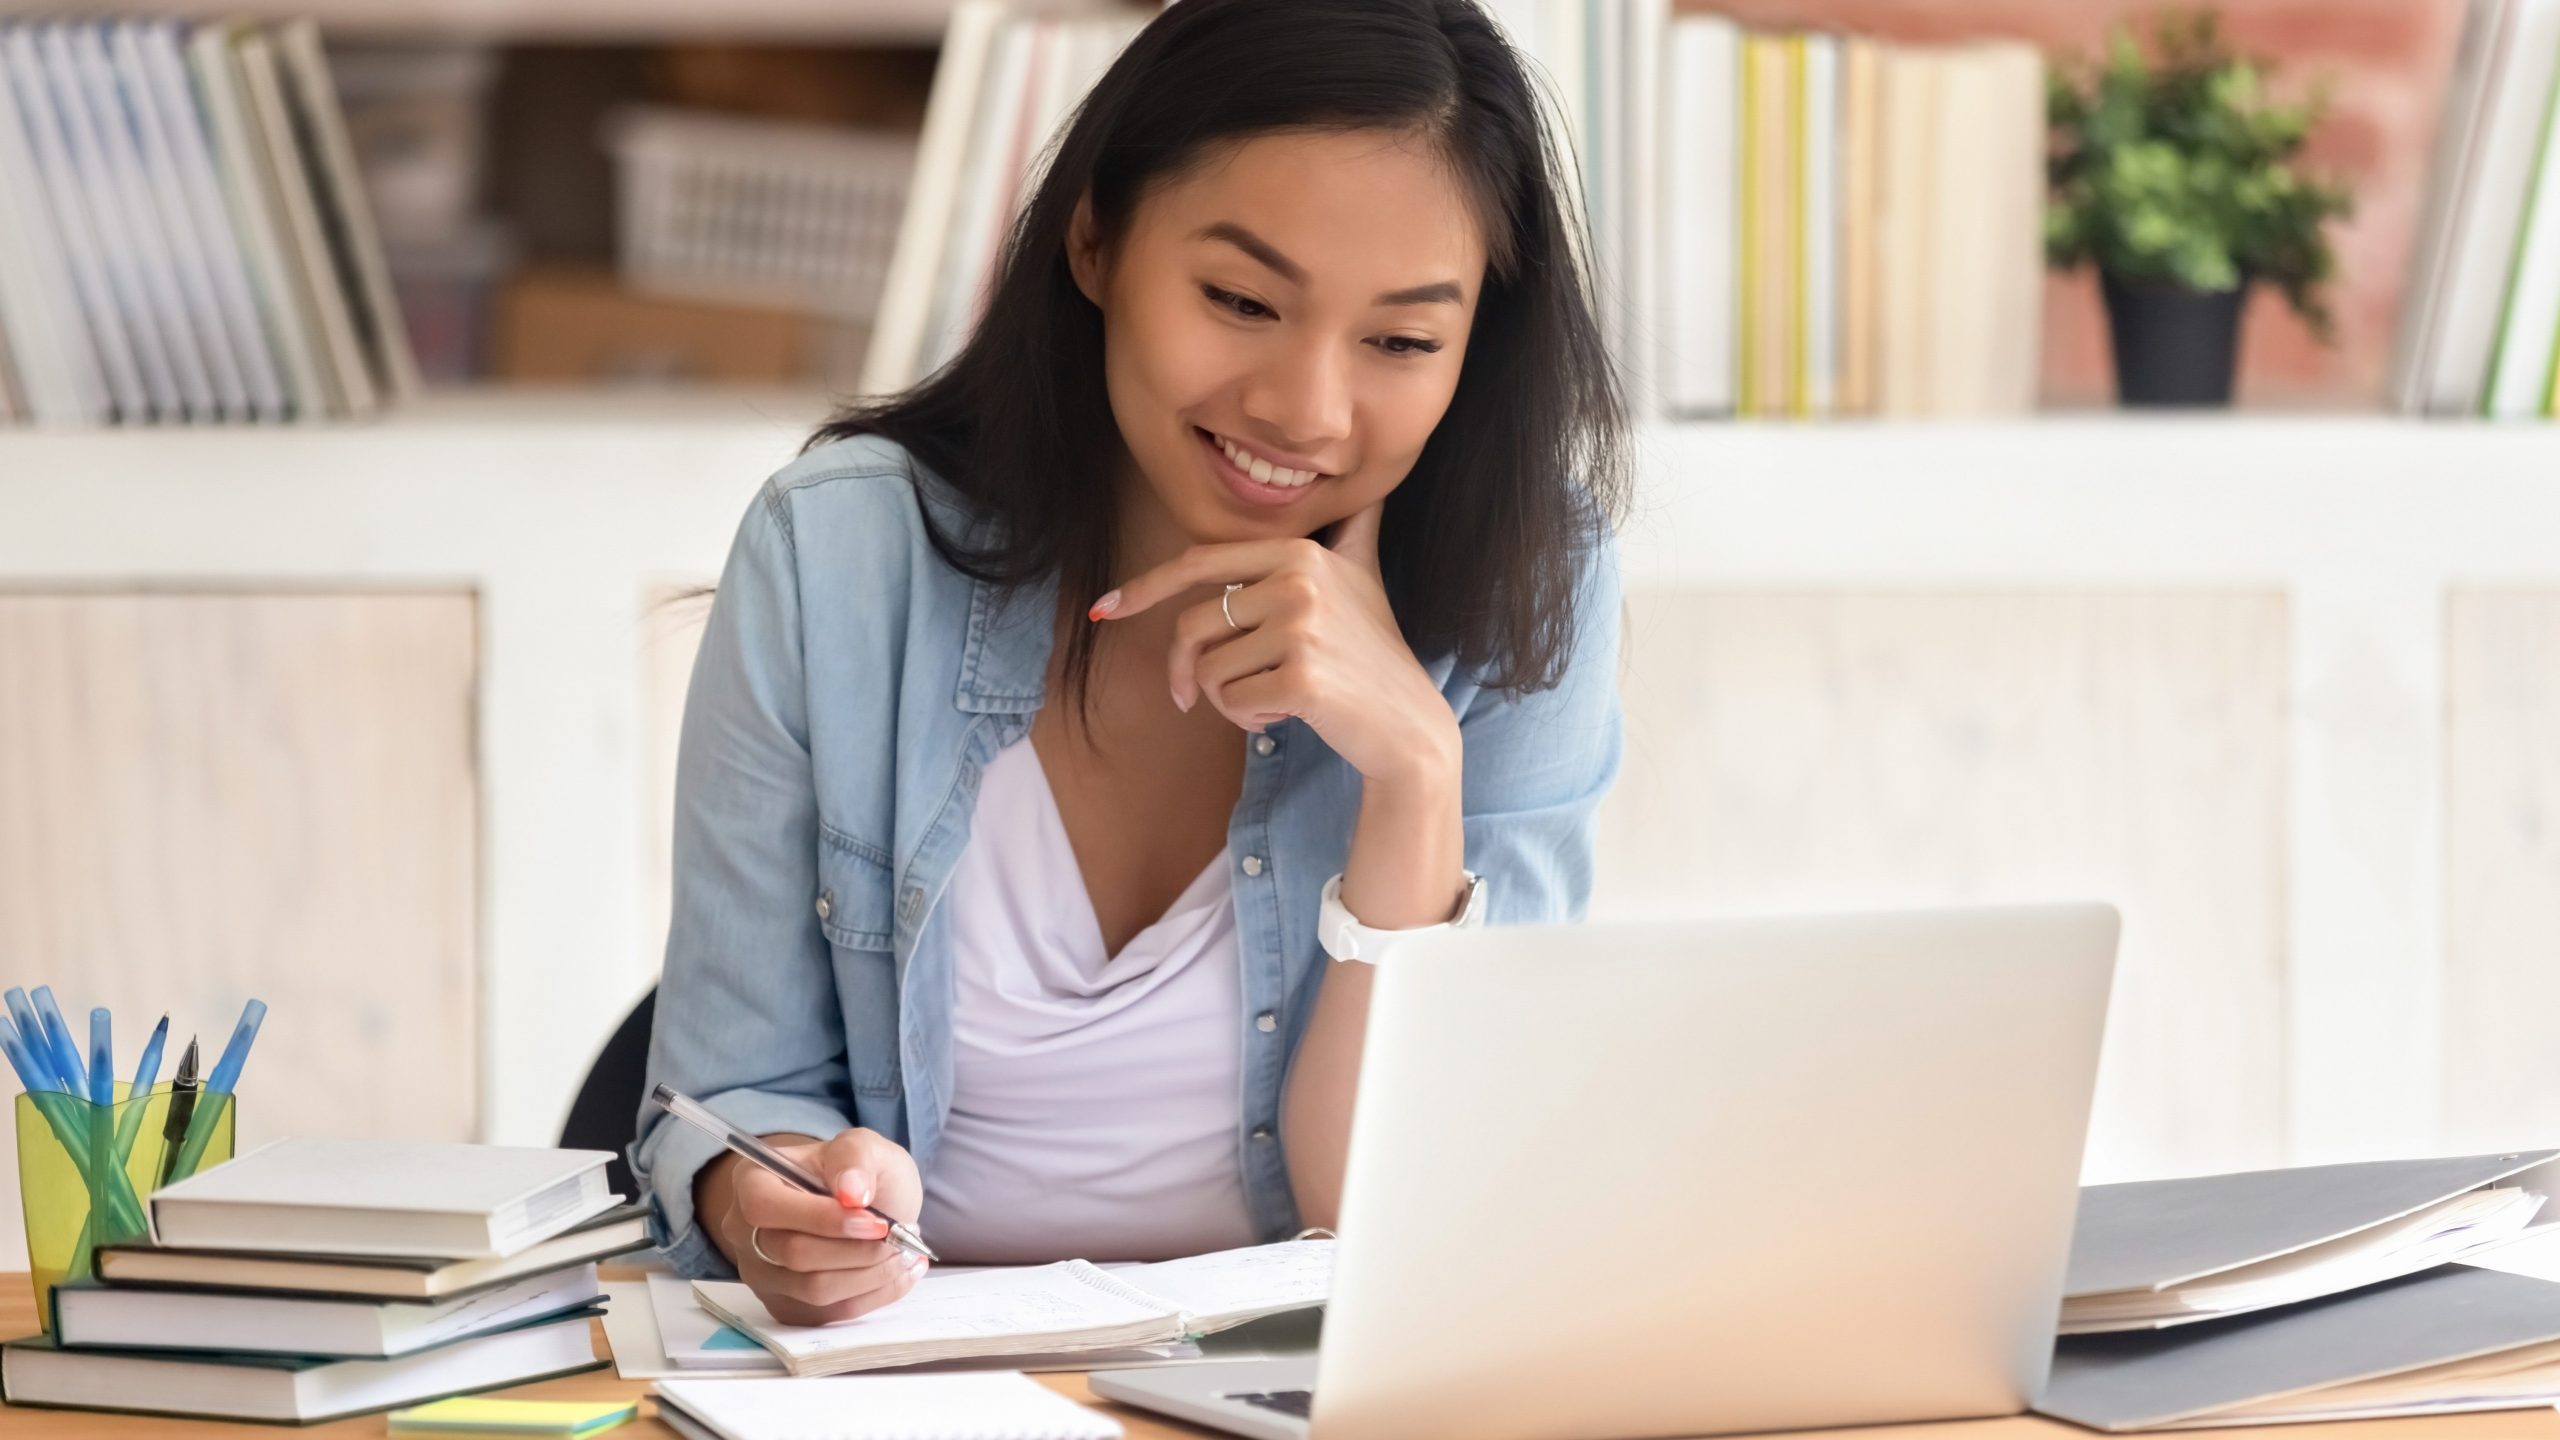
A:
x,y
1438,292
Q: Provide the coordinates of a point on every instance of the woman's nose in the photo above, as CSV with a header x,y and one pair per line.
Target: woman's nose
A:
x,y
1304,396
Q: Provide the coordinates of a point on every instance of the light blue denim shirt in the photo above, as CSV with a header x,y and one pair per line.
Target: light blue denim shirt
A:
x,y
850,689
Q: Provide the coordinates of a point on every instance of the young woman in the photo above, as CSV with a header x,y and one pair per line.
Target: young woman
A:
x,y
1240,595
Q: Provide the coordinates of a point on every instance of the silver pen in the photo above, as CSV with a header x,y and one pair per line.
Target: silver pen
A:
x,y
690,1111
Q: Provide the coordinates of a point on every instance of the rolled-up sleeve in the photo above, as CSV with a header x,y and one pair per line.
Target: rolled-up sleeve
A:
x,y
747,1017
1537,766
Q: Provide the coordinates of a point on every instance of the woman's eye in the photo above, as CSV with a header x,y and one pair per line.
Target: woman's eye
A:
x,y
1408,345
1250,309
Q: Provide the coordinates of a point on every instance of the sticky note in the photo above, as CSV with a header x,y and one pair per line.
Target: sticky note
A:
x,y
473,1415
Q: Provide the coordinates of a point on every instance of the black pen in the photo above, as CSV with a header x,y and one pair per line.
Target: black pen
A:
x,y
691,1111
182,1108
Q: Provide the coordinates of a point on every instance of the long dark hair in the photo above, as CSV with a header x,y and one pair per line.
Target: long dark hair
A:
x,y
1481,543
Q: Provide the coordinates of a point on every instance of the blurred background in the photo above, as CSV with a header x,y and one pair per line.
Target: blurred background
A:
x,y
373,376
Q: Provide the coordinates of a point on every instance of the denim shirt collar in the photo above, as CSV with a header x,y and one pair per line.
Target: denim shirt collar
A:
x,y
1004,668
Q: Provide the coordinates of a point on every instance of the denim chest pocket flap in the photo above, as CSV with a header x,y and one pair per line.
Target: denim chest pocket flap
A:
x,y
856,906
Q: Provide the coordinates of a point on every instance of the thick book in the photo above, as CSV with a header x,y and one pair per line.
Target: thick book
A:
x,y
316,1196
411,1278
288,1388
87,1314
2450,1339
1065,1308
2159,1253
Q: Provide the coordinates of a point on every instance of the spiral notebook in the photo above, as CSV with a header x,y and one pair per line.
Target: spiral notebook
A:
x,y
1000,1405
1067,1308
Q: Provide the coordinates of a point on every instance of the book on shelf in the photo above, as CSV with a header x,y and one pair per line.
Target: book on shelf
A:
x,y
2481,319
1005,82
196,244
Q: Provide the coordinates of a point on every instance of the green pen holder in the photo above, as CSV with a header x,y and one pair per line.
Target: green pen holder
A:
x,y
85,1171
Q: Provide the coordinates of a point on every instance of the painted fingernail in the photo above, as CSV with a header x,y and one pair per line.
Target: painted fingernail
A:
x,y
1103,606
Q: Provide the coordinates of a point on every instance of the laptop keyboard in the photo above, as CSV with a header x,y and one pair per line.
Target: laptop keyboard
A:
x,y
1301,1403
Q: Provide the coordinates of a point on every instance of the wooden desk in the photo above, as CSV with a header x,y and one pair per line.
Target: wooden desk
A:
x,y
18,1309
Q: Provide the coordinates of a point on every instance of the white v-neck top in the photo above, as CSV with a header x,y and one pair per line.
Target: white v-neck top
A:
x,y
1097,1098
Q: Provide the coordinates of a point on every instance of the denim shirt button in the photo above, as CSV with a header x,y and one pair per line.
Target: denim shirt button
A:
x,y
1266,1022
1253,864
826,903
1264,744
1261,1132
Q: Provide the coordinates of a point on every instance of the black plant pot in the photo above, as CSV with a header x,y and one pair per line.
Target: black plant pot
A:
x,y
2173,346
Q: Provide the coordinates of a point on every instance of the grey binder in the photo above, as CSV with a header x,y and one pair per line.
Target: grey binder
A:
x,y
2154,1234
2156,1379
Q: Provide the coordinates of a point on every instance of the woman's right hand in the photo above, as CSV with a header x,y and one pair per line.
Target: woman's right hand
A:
x,y
823,1259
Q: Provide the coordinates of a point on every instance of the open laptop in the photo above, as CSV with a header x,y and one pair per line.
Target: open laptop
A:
x,y
1694,1178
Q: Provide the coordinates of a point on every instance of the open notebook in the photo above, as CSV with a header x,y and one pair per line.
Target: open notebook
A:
x,y
1043,1309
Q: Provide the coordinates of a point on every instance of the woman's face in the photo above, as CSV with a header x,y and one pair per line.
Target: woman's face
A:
x,y
1282,329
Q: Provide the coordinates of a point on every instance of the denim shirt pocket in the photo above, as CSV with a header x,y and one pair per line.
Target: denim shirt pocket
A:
x,y
856,911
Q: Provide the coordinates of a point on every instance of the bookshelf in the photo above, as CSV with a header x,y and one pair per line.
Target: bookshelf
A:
x,y
870,22
565,513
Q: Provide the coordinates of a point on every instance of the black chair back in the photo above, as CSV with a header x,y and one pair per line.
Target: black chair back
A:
x,y
606,1114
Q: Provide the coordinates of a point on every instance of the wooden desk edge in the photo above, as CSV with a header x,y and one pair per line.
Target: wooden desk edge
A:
x,y
17,1317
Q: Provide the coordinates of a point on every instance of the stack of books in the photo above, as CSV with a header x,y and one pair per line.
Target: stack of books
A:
x,y
1803,224
188,239
2480,330
315,1278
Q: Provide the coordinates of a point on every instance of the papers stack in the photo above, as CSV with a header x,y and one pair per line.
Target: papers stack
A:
x,y
2326,1292
312,1279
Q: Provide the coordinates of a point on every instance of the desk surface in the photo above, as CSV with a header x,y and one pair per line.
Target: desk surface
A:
x,y
18,1309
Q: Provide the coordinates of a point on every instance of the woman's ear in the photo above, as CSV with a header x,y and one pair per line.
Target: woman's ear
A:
x,y
1084,250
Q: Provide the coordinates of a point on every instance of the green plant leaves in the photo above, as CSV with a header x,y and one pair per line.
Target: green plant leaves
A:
x,y
2178,167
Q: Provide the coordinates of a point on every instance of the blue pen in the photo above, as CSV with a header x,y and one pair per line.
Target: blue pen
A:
x,y
149,1070
31,1036
226,1071
102,1057
138,1099
57,1033
32,1075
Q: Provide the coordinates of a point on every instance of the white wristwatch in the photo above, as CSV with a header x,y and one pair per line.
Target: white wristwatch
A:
x,y
1345,938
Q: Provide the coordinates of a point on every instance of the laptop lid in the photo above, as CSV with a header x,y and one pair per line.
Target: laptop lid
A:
x,y
1723,1175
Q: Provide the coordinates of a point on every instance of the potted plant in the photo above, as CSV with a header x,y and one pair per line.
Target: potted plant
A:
x,y
2176,175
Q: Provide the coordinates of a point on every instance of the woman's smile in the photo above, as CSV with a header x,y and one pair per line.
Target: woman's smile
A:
x,y
1251,477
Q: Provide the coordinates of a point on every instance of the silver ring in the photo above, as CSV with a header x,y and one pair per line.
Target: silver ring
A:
x,y
1222,605
759,1249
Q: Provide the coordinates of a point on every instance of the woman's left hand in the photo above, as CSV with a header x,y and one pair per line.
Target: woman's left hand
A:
x,y
1312,636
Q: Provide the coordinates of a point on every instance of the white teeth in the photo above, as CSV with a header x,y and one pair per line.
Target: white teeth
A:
x,y
1263,470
